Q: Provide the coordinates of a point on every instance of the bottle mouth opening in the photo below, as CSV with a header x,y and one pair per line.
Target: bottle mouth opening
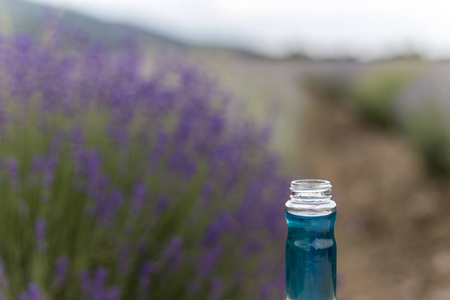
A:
x,y
310,197
310,185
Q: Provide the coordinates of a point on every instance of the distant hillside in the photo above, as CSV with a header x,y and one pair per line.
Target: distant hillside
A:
x,y
27,17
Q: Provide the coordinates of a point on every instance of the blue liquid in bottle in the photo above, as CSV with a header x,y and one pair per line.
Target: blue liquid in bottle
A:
x,y
311,258
310,244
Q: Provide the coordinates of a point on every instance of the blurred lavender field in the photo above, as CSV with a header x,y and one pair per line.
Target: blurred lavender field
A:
x,y
116,185
135,166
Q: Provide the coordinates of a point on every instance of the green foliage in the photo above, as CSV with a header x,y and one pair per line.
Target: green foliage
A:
x,y
427,132
374,95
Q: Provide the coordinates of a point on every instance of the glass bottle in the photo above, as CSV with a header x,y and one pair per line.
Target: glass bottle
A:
x,y
310,244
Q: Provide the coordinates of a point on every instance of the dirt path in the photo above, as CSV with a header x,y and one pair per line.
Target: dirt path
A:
x,y
393,229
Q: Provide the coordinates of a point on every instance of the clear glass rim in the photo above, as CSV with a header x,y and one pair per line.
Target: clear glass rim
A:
x,y
310,184
310,197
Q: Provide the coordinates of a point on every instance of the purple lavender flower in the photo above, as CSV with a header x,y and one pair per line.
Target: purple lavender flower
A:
x,y
252,246
92,165
180,162
267,290
49,170
207,190
138,199
162,203
173,254
217,227
147,270
124,258
78,142
172,249
4,284
3,120
13,169
32,293
95,288
61,268
177,260
44,167
85,282
39,234
209,261
106,207
216,288
158,149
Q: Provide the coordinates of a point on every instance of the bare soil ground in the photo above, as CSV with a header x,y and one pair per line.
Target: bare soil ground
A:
x,y
393,228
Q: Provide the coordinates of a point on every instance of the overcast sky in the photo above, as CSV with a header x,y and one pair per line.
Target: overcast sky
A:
x,y
365,29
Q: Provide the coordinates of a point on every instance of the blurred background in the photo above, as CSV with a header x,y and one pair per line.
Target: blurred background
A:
x,y
147,146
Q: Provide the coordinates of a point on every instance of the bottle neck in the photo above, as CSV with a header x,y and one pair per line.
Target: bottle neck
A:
x,y
310,198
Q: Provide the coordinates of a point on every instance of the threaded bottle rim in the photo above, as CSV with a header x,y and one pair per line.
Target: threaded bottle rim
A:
x,y
310,197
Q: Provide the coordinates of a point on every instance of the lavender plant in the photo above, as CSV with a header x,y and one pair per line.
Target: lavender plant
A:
x,y
375,93
115,185
424,106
